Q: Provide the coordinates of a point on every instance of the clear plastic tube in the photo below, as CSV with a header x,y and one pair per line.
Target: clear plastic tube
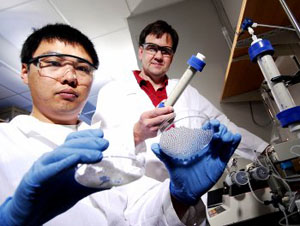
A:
x,y
281,207
252,192
274,26
287,216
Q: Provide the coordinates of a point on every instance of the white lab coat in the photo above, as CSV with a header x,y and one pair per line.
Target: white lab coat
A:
x,y
121,103
143,202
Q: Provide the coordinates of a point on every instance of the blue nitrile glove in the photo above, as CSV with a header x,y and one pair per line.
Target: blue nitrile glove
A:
x,y
49,187
189,181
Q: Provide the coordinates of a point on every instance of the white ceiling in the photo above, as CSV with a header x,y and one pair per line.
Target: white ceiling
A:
x,y
103,21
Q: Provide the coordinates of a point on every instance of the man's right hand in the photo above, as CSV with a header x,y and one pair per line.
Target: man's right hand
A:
x,y
49,187
149,123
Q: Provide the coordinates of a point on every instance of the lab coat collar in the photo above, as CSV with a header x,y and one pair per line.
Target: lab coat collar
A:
x,y
130,85
52,133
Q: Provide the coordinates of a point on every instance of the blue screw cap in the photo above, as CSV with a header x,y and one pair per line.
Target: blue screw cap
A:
x,y
196,63
260,48
246,23
289,116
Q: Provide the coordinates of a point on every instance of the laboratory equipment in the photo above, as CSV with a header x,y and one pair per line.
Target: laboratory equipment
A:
x,y
280,156
260,173
184,138
119,166
196,63
113,170
239,178
273,179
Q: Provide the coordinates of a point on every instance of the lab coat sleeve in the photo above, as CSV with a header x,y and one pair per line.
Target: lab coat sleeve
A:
x,y
250,143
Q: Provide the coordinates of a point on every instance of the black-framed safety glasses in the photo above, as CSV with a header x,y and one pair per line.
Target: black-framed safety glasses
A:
x,y
153,48
54,65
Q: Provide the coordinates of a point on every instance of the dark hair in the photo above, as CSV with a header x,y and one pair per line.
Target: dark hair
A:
x,y
61,32
159,28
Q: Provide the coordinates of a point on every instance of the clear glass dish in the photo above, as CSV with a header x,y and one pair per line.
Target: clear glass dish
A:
x,y
112,170
183,137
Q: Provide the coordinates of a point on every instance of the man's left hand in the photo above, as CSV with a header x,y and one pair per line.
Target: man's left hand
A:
x,y
188,182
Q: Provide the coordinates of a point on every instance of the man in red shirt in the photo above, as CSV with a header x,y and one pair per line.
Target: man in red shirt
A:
x,y
138,96
128,109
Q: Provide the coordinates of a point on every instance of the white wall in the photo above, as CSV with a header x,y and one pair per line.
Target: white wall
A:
x,y
232,8
199,29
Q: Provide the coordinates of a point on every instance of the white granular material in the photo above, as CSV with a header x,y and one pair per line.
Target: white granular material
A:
x,y
184,142
108,173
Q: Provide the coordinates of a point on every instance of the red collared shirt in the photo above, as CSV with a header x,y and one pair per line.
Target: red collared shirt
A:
x,y
155,96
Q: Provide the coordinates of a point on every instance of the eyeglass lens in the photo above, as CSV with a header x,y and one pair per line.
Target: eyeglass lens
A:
x,y
153,49
56,66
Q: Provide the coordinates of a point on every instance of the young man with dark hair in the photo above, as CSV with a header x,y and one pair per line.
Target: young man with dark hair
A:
x,y
58,63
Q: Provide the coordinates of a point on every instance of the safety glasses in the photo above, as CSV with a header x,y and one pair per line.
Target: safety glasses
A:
x,y
152,49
